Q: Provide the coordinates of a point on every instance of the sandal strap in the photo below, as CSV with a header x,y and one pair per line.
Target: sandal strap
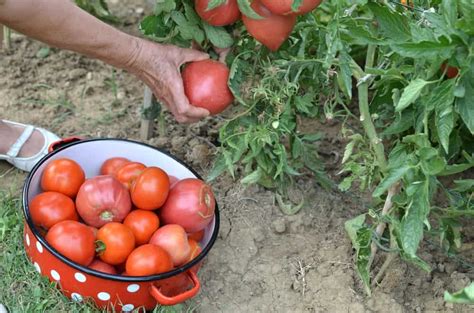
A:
x,y
16,147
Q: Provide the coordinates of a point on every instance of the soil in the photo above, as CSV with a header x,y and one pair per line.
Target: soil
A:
x,y
263,261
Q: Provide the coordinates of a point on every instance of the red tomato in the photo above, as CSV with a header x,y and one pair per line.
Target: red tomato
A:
x,y
173,180
49,208
174,240
143,224
150,190
74,240
190,204
112,165
205,85
225,14
148,260
129,172
197,236
283,7
103,199
118,240
64,176
451,72
272,30
195,250
100,266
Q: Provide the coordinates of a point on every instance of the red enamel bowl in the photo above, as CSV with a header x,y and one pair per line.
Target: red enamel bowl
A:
x,y
79,283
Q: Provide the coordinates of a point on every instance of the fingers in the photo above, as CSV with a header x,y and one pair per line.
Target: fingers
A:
x,y
190,55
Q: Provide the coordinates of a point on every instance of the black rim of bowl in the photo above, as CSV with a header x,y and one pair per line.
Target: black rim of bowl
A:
x,y
92,272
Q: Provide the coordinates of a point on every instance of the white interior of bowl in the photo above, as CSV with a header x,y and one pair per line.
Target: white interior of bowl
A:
x,y
91,154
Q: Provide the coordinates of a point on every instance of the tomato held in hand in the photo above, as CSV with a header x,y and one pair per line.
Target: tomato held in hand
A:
x,y
103,267
112,165
118,242
129,172
63,175
150,190
143,224
205,85
283,7
190,204
148,260
225,14
49,208
74,240
272,30
174,240
103,199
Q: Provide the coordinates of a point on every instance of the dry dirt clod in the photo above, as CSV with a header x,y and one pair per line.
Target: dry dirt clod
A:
x,y
279,225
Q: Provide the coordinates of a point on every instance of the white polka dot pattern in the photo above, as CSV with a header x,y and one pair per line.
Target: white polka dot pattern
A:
x,y
55,275
128,308
38,268
133,288
27,239
76,297
39,247
80,277
104,296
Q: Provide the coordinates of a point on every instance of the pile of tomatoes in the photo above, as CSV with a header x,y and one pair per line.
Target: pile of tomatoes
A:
x,y
130,220
272,29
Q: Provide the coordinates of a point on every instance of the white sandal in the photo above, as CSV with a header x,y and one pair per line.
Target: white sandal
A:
x,y
26,164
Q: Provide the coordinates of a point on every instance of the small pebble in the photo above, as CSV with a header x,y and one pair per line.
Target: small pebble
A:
x,y
89,76
279,225
139,10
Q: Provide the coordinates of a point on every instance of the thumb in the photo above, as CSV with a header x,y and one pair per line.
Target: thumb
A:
x,y
190,55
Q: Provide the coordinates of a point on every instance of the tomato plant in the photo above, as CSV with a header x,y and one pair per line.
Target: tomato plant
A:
x,y
143,224
103,199
373,67
191,204
148,260
174,240
49,208
205,85
116,243
63,175
74,240
150,189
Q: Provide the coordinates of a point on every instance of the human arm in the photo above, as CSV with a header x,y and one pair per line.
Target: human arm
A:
x,y
62,24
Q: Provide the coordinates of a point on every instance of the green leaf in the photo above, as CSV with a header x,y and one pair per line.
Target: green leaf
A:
x,y
244,7
296,4
456,169
450,11
352,226
464,185
443,100
392,24
425,49
43,52
252,178
465,105
411,226
218,36
363,255
464,296
403,122
466,7
411,93
164,6
344,77
394,175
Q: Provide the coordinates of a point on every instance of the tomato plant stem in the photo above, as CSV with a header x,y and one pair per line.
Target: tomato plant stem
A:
x,y
365,117
7,36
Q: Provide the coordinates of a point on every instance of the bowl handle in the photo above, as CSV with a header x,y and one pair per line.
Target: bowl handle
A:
x,y
62,142
168,301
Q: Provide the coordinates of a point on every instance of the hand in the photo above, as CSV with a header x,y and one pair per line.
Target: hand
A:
x,y
158,66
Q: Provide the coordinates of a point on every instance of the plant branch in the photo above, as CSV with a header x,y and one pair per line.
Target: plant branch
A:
x,y
392,191
365,117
